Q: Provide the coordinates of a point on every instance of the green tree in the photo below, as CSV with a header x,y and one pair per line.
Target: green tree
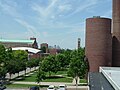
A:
x,y
21,58
77,67
62,60
50,64
2,54
3,69
43,49
67,54
40,75
20,55
10,62
12,67
30,64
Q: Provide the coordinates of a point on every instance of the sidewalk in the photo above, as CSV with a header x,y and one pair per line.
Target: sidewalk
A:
x,y
20,73
69,85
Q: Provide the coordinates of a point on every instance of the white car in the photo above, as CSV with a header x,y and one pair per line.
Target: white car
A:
x,y
62,87
51,87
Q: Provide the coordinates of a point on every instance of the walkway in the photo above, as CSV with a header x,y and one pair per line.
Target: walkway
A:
x,y
69,85
21,73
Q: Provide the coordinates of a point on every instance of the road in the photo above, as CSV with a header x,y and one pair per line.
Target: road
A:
x,y
73,88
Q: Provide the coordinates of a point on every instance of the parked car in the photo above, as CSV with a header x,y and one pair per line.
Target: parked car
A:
x,y
2,87
62,87
34,88
51,87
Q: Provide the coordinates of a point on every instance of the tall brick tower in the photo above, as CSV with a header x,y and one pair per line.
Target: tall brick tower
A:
x,y
116,33
98,45
78,43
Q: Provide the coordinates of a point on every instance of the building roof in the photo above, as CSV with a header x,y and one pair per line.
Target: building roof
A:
x,y
17,41
97,81
112,74
32,50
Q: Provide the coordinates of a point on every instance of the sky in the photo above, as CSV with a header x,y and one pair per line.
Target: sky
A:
x,y
56,22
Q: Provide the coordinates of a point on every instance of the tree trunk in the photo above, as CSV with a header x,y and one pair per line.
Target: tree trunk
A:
x,y
49,74
10,75
25,72
18,74
76,79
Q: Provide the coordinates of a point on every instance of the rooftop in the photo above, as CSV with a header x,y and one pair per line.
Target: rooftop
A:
x,y
17,41
97,81
112,74
32,50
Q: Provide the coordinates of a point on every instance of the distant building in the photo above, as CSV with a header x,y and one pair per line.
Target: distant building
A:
x,y
78,43
50,50
32,52
30,46
53,51
44,45
34,45
19,43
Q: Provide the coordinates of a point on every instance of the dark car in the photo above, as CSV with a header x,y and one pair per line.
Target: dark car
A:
x,y
34,88
2,87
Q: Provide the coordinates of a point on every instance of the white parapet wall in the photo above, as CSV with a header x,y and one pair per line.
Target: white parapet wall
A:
x,y
112,74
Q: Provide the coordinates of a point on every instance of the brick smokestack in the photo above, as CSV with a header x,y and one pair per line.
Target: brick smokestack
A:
x,y
116,33
98,45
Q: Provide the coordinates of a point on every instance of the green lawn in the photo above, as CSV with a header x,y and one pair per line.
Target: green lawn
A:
x,y
52,78
58,79
83,81
58,73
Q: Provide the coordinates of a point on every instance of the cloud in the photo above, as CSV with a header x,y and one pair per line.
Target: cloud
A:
x,y
9,8
66,7
108,14
44,12
31,29
45,34
85,5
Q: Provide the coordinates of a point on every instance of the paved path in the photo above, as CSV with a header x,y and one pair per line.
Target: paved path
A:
x,y
42,83
20,73
71,86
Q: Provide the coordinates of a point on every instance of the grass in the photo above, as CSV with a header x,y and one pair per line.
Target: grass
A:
x,y
52,78
58,73
30,78
24,86
83,81
58,79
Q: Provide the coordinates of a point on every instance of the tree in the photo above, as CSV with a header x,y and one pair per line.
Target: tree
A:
x,y
30,64
43,49
67,54
50,64
3,72
3,69
10,62
62,60
21,58
77,67
20,55
11,67
40,75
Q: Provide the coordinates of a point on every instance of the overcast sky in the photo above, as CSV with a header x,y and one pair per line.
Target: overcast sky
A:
x,y
56,22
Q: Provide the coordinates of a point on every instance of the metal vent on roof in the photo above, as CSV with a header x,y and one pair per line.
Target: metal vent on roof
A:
x,y
96,16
